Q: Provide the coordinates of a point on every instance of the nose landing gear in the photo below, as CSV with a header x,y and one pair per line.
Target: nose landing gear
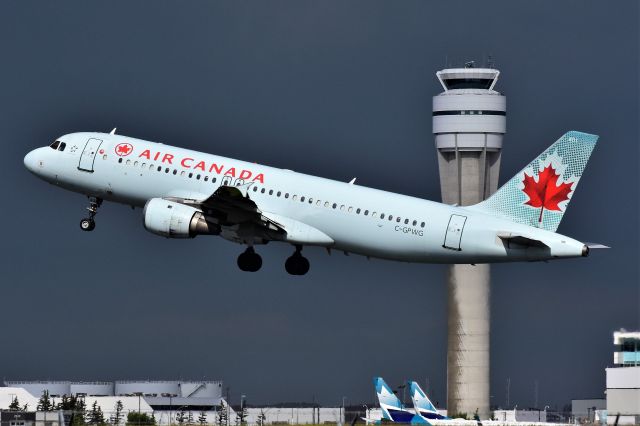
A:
x,y
88,223
249,261
297,264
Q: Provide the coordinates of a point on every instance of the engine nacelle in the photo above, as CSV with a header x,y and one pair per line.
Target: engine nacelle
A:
x,y
174,220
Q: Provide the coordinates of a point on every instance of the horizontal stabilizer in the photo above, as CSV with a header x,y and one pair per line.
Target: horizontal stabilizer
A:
x,y
596,246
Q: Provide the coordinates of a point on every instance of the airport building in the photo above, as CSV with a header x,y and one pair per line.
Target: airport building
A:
x,y
164,399
623,380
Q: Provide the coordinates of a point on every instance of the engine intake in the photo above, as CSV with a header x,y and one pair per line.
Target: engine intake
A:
x,y
174,220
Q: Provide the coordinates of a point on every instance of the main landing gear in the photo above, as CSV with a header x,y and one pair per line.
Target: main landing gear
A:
x,y
88,223
297,264
249,261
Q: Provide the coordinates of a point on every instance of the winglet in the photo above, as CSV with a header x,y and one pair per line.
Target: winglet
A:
x,y
113,132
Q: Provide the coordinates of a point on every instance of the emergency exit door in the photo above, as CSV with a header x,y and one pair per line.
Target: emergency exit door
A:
x,y
454,232
88,155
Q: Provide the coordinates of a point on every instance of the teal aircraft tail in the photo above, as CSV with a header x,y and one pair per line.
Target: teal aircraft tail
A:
x,y
540,194
422,404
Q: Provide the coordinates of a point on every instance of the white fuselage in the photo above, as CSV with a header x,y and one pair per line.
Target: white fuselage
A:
x,y
358,219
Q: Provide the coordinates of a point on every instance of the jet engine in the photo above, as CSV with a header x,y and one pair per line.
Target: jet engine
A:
x,y
174,220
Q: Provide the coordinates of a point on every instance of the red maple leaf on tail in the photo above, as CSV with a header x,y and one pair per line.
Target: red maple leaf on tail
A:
x,y
546,193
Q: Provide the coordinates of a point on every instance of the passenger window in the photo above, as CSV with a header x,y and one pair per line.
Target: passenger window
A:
x,y
278,193
415,222
334,205
182,173
166,170
54,145
350,209
422,225
302,199
381,215
135,163
190,175
120,160
175,171
206,179
104,157
406,221
342,208
255,188
128,163
374,215
271,192
214,180
390,217
366,212
151,166
318,203
198,177
263,190
326,204
310,200
294,198
143,165
62,146
286,195
398,219
357,211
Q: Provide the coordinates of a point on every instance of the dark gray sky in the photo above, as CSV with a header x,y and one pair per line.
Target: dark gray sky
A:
x,y
337,89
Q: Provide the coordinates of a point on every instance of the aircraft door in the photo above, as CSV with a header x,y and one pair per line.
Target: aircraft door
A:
x,y
88,155
454,232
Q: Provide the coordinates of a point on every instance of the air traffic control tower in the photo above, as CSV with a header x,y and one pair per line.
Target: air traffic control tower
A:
x,y
469,122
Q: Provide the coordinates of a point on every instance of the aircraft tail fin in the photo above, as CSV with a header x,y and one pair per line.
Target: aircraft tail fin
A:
x,y
422,404
540,193
420,399
386,397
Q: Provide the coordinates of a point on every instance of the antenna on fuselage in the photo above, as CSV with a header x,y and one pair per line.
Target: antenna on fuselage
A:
x,y
113,132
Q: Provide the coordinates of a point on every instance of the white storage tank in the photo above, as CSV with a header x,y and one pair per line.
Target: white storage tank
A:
x,y
92,388
35,388
147,388
203,389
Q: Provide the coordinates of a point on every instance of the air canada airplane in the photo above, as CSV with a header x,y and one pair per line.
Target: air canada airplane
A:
x,y
186,193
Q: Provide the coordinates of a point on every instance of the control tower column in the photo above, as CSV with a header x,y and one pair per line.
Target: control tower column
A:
x,y
469,122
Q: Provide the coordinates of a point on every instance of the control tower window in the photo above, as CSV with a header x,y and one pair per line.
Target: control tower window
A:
x,y
468,83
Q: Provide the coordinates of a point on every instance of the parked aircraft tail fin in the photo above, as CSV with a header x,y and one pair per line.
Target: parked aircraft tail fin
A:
x,y
540,193
422,404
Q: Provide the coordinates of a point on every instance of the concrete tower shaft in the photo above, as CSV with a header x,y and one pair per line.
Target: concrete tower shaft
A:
x,y
469,121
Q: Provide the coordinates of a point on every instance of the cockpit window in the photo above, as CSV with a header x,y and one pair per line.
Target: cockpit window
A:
x,y
62,146
54,145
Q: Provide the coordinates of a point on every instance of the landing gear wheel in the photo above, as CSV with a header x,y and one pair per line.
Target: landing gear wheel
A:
x,y
249,261
87,224
297,264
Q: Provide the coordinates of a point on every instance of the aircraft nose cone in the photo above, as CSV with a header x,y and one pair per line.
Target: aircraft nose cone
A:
x,y
30,161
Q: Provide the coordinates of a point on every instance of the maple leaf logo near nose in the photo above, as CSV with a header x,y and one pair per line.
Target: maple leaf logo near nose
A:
x,y
546,193
124,149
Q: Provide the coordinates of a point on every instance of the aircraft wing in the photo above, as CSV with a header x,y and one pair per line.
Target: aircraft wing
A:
x,y
243,221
